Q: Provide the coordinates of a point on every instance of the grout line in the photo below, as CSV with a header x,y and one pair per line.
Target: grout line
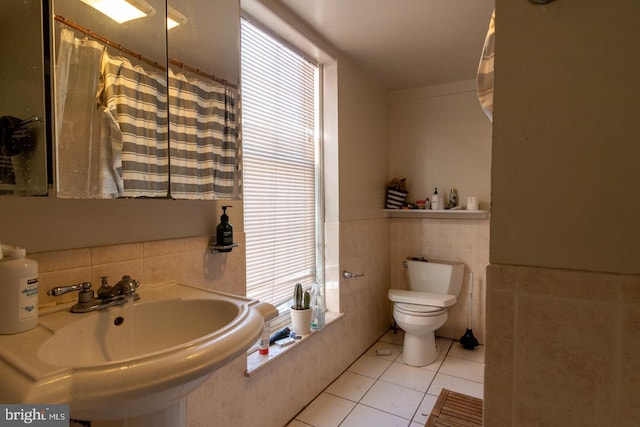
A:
x,y
378,379
426,392
386,412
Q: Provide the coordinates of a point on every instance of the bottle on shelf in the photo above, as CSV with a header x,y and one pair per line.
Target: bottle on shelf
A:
x,y
453,198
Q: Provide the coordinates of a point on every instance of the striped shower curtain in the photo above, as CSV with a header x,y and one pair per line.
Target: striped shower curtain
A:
x,y
135,100
203,138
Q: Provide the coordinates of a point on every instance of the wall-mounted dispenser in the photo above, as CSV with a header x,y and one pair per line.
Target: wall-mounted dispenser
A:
x,y
224,234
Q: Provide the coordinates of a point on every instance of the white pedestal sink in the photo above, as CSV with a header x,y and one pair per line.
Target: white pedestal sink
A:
x,y
136,362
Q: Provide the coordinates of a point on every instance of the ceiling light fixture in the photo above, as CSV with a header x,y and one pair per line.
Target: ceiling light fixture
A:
x,y
122,10
174,18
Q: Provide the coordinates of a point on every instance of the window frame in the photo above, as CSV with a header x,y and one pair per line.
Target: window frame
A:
x,y
319,223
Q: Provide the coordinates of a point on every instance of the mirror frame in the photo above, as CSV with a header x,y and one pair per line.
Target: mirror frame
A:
x,y
25,95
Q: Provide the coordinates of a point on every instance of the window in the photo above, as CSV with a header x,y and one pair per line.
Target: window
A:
x,y
281,166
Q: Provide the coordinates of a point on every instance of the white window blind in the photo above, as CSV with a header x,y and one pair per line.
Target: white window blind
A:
x,y
279,101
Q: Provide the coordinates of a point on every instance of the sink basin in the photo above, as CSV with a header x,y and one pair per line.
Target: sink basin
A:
x,y
133,362
134,331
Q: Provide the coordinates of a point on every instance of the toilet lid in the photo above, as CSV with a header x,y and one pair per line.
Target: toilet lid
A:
x,y
416,309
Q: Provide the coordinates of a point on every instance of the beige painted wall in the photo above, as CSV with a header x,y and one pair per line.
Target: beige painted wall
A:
x,y
363,118
565,147
440,137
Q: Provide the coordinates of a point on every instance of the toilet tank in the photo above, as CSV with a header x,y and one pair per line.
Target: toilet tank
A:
x,y
436,276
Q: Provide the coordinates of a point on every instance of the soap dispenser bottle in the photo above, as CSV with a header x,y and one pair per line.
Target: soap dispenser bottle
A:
x,y
18,291
224,231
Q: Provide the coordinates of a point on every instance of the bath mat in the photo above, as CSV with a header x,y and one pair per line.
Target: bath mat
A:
x,y
455,409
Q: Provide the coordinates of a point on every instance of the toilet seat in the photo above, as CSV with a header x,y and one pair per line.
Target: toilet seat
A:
x,y
421,298
418,310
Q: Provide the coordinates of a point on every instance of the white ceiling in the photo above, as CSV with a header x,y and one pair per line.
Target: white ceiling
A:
x,y
405,44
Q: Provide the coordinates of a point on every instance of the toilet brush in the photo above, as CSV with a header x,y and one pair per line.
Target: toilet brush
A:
x,y
468,341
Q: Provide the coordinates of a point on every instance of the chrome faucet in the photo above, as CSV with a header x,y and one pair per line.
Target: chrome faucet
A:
x,y
107,296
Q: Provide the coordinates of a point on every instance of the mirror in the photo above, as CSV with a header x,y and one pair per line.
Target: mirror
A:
x,y
203,79
110,104
23,149
53,223
132,122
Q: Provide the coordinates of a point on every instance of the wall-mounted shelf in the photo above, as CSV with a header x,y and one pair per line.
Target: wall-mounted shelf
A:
x,y
226,248
436,214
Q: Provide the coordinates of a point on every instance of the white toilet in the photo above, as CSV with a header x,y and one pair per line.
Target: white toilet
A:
x,y
434,285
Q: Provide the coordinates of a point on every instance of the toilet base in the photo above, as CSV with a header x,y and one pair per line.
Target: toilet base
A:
x,y
420,350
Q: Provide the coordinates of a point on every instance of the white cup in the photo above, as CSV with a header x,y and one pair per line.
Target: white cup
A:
x,y
472,203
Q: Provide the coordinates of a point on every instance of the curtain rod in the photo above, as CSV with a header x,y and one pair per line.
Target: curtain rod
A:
x,y
202,73
138,56
108,42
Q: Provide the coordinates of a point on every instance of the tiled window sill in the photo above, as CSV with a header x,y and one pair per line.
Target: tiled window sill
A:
x,y
257,361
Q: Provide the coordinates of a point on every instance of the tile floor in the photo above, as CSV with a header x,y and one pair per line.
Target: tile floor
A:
x,y
383,391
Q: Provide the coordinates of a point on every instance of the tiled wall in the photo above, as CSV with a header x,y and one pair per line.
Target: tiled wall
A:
x,y
364,248
278,391
563,348
185,260
457,240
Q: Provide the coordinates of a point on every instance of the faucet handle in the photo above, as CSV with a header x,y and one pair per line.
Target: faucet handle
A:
x,y
85,295
128,287
61,290
131,283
